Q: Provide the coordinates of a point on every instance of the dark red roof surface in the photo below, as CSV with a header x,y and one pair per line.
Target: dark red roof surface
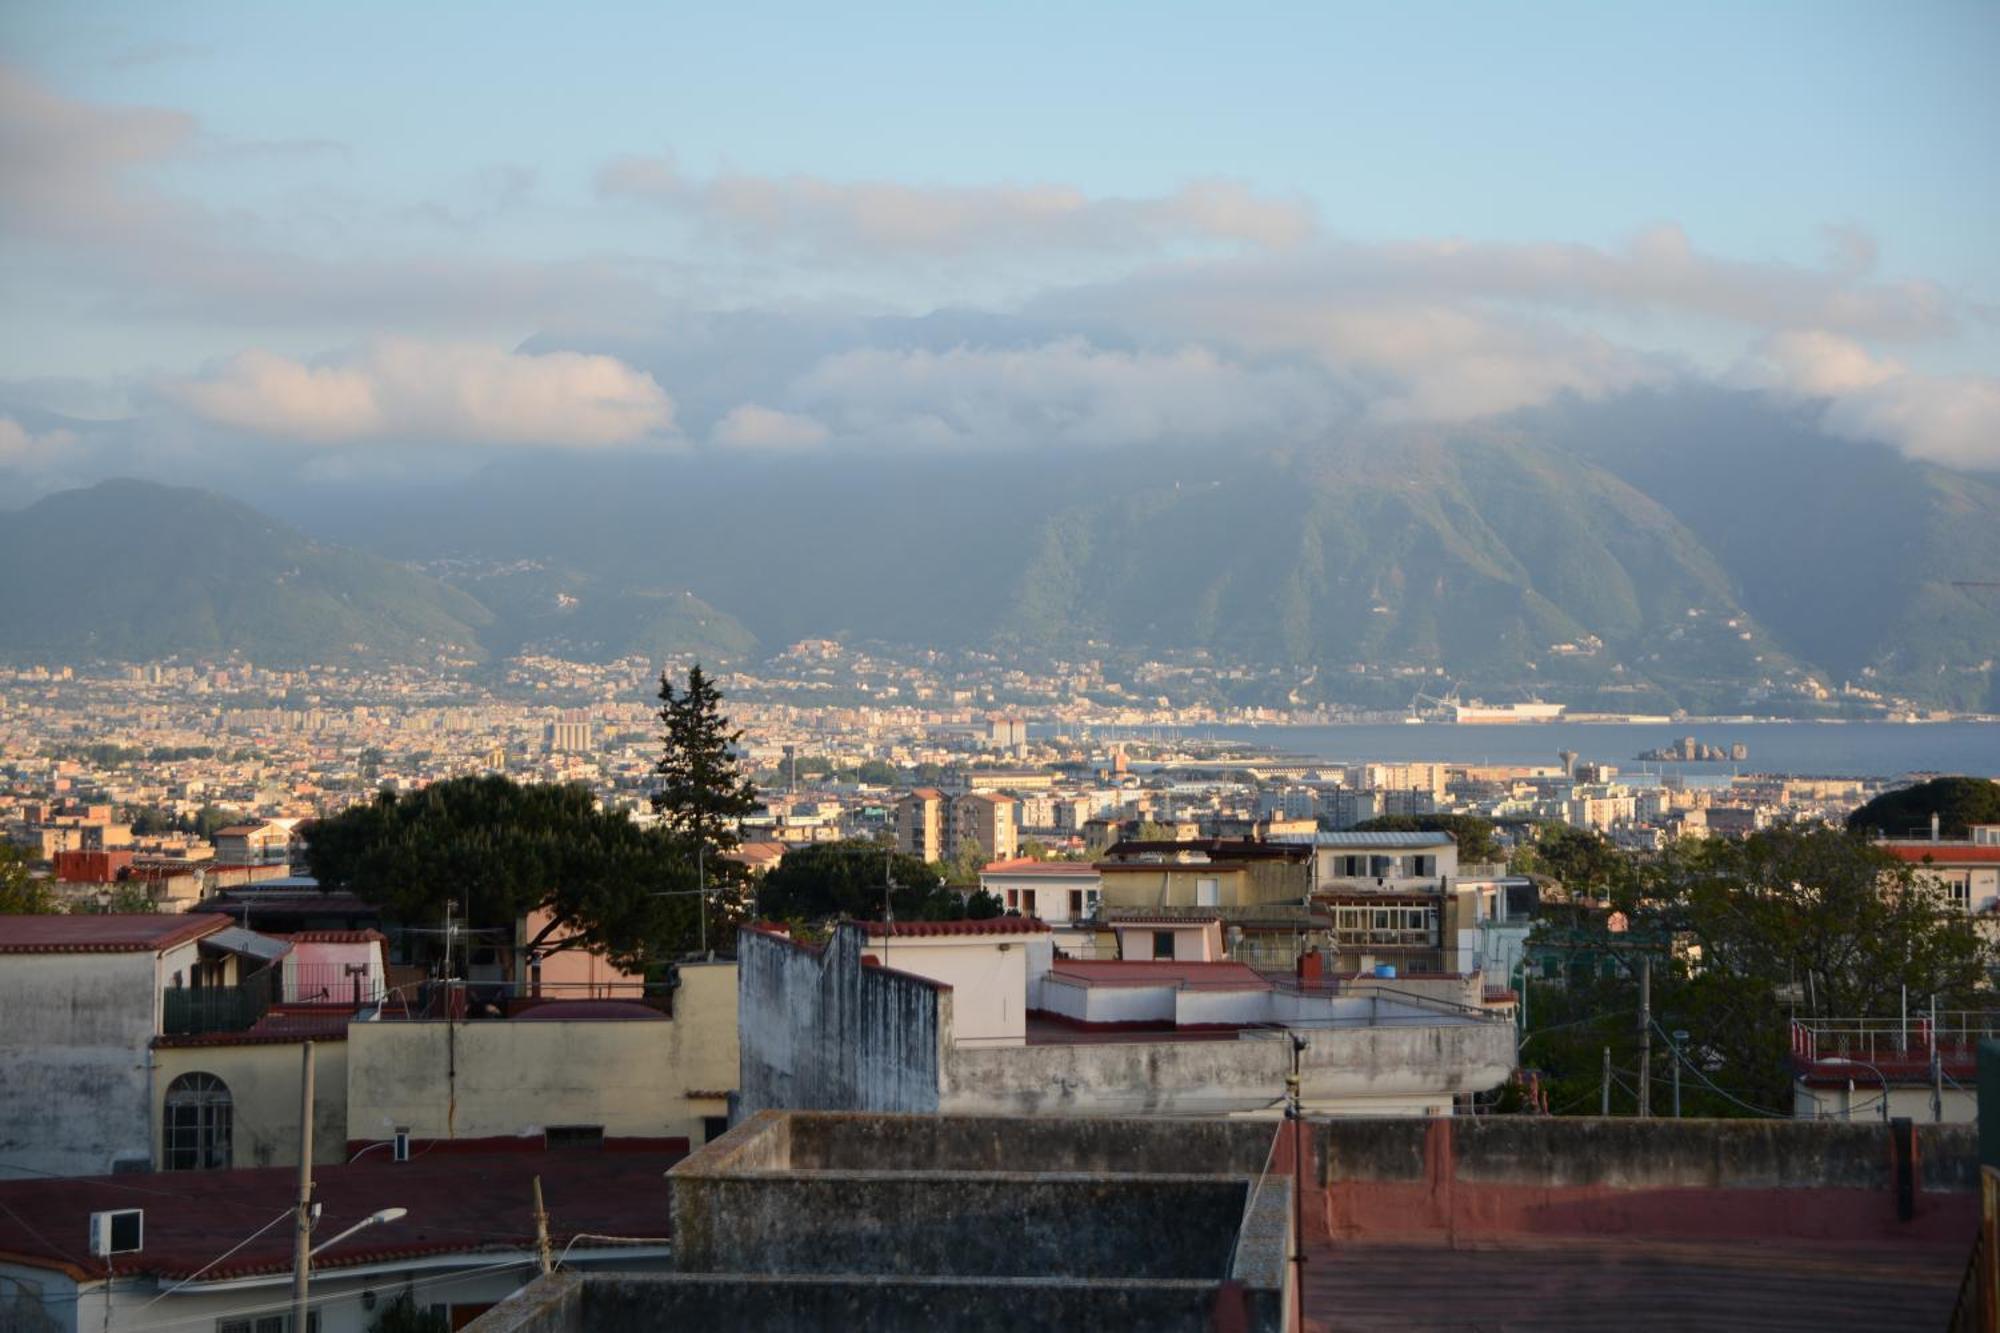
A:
x,y
336,937
1029,865
590,1011
108,932
992,925
1155,972
1944,853
457,1203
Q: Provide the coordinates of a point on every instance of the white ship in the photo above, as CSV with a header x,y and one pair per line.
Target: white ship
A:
x,y
1480,714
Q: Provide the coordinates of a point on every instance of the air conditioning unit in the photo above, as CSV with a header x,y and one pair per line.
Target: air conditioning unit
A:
x,y
401,1151
119,1232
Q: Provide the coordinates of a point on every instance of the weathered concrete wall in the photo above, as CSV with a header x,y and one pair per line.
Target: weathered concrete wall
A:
x,y
75,1068
517,1077
819,1031
779,1304
1372,1070
1003,1143
995,1224
263,1083
1528,1175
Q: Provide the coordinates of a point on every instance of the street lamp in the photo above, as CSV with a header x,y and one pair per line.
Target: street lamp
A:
x,y
301,1289
1850,1060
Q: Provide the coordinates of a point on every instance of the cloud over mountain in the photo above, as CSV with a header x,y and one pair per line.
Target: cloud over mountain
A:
x,y
402,389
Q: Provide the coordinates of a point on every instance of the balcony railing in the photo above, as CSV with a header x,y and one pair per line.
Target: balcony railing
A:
x,y
193,1010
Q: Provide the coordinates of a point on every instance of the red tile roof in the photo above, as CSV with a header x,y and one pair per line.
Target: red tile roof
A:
x,y
1156,972
459,1204
336,937
992,925
107,932
1944,853
1029,865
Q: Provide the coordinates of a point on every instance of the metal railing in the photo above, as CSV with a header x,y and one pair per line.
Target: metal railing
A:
x,y
1881,1039
188,1011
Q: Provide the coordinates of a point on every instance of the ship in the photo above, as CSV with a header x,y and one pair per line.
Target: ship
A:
x,y
1481,714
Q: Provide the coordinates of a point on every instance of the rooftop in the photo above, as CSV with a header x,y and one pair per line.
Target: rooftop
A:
x,y
1387,841
1209,976
992,925
1944,853
108,932
459,1204
1029,865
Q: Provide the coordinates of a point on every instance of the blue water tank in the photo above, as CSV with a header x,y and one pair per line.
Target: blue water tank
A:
x,y
1385,971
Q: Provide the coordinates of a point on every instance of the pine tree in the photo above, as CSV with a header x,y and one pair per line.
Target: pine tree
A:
x,y
702,793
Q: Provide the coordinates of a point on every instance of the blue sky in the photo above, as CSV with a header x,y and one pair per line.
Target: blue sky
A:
x,y
1798,196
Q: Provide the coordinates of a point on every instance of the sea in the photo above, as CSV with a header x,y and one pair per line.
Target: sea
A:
x,y
1800,749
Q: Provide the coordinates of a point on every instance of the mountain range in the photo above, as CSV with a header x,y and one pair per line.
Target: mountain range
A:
x,y
1687,549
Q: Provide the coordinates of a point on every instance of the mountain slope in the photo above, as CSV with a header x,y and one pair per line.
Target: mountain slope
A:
x,y
129,570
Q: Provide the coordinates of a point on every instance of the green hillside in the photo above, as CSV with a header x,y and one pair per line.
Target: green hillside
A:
x,y
132,571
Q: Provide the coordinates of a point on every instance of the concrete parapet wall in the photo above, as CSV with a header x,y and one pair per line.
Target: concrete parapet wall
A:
x,y
819,1031
1001,1143
995,1224
789,1304
1764,1180
1399,1069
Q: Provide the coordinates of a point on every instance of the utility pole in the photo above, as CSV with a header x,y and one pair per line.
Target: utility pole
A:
x,y
1680,1041
1645,1035
544,1253
1937,1070
1295,1112
1606,1101
701,882
302,1224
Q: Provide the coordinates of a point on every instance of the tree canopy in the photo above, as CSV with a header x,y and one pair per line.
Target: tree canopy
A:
x,y
500,850
1956,801
21,893
846,879
1584,860
1742,934
1474,835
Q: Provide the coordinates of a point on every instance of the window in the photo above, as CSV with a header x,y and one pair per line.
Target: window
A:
x,y
1075,903
574,1136
1207,892
199,1118
713,1127
270,1323
1163,944
1959,889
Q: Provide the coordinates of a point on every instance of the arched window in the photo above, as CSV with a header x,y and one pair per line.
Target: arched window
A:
x,y
198,1123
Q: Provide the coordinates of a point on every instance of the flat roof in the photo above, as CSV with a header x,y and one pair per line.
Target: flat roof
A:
x,y
106,932
1156,972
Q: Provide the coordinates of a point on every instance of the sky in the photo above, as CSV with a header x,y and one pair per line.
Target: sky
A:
x,y
360,234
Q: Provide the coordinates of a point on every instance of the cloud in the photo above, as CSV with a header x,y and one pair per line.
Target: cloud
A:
x,y
32,452
889,217
750,427
63,162
1949,419
405,390
1064,393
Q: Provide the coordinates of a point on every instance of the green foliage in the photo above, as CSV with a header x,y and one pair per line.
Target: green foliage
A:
x,y
877,773
1476,843
847,879
702,794
1583,860
1732,927
238,582
964,867
499,850
404,1315
1956,801
123,898
22,893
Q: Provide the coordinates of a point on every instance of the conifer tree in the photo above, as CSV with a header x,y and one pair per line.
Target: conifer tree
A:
x,y
702,793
